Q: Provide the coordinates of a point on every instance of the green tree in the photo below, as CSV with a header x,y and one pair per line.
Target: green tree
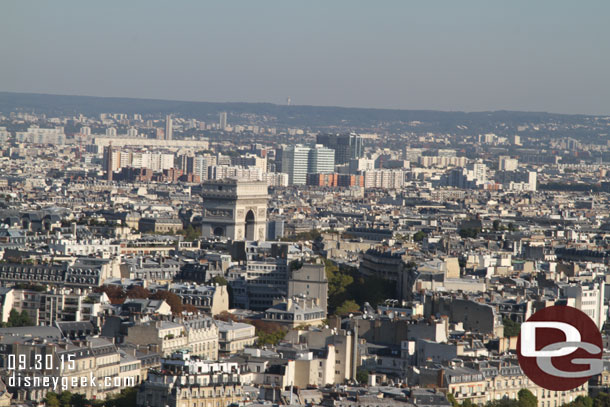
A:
x,y
127,398
13,318
51,400
496,225
469,232
337,284
602,400
467,403
191,234
268,333
452,400
78,400
527,398
295,265
346,283
419,236
16,319
347,307
362,376
511,328
269,338
503,403
220,280
584,401
371,289
65,398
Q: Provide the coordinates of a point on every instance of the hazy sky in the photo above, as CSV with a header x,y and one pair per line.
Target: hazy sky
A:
x,y
540,55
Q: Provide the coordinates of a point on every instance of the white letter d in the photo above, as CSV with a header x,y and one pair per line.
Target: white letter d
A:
x,y
528,338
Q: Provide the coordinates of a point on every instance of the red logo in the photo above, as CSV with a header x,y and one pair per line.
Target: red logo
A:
x,y
560,348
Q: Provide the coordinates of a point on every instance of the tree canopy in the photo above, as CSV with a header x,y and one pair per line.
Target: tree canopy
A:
x,y
16,319
173,300
469,232
347,307
419,236
220,280
138,292
345,283
527,399
126,398
511,328
362,376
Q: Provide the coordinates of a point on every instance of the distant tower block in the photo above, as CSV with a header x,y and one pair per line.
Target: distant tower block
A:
x,y
233,209
222,120
168,127
109,163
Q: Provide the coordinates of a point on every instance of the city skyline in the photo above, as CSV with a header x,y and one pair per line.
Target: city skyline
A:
x,y
320,204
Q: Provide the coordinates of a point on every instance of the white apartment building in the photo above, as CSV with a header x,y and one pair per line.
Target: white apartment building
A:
x,y
219,172
386,179
36,135
321,160
589,298
507,164
442,161
295,163
84,247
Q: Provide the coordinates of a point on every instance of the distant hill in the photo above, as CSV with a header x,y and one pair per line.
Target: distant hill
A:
x,y
280,115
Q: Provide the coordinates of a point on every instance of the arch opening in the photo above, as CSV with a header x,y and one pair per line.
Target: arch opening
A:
x,y
250,223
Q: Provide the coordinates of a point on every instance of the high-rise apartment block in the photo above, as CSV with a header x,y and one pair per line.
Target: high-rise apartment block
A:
x,y
507,164
111,132
321,160
222,122
346,146
168,127
108,160
298,161
295,163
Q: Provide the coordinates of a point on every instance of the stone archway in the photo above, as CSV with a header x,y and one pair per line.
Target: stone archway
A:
x,y
250,225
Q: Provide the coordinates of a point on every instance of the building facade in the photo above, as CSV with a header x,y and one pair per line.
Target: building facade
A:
x,y
236,210
346,146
